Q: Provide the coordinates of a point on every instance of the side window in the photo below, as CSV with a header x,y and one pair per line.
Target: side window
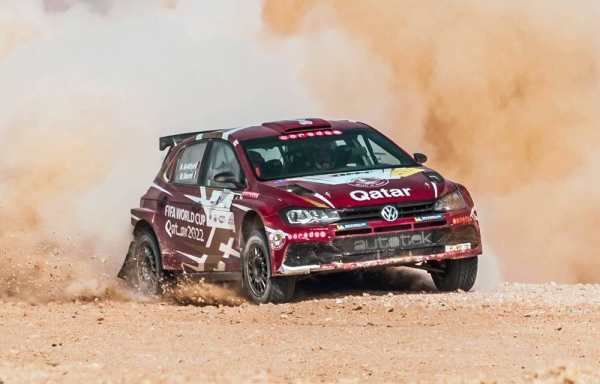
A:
x,y
189,162
222,159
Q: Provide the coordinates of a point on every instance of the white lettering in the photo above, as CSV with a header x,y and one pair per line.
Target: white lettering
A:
x,y
381,194
185,215
174,229
187,176
360,195
188,166
375,195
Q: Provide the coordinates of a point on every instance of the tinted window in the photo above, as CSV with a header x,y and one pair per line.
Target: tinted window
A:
x,y
189,162
222,159
296,155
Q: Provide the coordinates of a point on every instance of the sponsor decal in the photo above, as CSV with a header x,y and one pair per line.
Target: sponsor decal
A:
x,y
368,182
458,247
277,239
405,172
251,195
402,241
352,226
190,232
429,217
183,214
382,193
305,135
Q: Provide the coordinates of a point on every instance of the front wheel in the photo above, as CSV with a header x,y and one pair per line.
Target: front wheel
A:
x,y
257,277
457,274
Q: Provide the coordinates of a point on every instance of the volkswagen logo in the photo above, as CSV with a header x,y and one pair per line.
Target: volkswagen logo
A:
x,y
389,213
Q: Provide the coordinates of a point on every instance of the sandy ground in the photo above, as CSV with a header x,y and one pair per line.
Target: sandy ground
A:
x,y
333,332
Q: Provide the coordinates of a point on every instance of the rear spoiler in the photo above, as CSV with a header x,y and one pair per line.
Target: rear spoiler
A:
x,y
171,141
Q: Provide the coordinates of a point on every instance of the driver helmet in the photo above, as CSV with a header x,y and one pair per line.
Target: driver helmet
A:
x,y
323,155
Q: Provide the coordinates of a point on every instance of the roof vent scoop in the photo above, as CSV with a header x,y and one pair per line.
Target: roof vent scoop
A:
x,y
298,125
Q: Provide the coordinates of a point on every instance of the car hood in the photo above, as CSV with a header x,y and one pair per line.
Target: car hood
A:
x,y
374,187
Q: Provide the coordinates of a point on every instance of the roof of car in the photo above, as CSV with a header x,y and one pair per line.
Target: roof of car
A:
x,y
277,128
272,128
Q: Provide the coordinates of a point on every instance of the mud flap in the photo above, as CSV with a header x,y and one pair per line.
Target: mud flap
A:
x,y
126,270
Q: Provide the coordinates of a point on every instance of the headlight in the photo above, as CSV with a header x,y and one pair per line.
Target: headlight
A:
x,y
312,216
451,202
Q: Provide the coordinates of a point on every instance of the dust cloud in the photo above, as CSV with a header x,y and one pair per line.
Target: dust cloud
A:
x,y
87,89
503,96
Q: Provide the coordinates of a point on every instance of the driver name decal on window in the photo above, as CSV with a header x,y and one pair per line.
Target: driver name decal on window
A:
x,y
189,164
188,171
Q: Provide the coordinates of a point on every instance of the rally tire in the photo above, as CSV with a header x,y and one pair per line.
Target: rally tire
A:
x,y
458,274
258,281
147,264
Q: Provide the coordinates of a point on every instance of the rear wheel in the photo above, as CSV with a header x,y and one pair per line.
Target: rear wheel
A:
x,y
257,277
147,264
457,274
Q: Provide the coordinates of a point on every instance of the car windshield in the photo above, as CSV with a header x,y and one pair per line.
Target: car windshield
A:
x,y
322,152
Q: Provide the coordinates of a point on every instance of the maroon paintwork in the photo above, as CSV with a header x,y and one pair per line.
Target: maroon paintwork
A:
x,y
202,228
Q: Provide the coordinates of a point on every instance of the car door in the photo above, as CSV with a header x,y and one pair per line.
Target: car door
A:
x,y
217,201
182,217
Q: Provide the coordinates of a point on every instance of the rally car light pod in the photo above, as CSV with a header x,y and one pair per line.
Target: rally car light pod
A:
x,y
451,202
311,216
462,220
307,235
309,134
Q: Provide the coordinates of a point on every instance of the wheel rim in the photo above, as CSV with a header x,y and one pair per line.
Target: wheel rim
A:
x,y
147,268
256,270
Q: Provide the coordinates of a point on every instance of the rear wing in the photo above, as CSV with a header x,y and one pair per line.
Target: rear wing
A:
x,y
171,141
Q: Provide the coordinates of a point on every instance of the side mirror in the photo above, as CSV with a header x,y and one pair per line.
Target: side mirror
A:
x,y
420,158
228,178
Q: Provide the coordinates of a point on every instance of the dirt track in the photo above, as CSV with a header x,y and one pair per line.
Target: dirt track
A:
x,y
508,335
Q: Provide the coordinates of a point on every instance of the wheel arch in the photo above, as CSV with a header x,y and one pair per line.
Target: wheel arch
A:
x,y
252,220
141,225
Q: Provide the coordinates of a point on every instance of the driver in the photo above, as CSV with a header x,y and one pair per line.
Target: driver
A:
x,y
323,156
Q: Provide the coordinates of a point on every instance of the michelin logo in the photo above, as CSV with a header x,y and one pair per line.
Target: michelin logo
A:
x,y
352,226
429,217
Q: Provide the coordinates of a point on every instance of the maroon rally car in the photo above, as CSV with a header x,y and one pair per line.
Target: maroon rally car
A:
x,y
275,202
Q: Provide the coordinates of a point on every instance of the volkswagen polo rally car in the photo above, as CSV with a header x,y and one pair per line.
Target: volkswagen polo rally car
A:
x,y
271,203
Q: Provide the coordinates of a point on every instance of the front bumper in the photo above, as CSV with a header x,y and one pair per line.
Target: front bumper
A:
x,y
382,249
